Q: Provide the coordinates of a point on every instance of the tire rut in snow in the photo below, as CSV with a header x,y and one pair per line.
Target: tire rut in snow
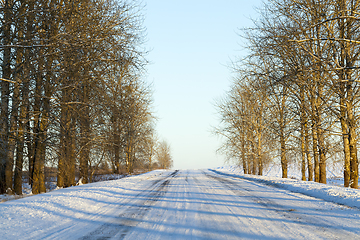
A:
x,y
242,191
328,231
121,225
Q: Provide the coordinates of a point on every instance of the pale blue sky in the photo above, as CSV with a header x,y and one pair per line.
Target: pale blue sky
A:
x,y
192,42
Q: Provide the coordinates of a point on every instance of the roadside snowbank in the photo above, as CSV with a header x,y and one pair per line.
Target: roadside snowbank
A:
x,y
51,186
345,196
75,209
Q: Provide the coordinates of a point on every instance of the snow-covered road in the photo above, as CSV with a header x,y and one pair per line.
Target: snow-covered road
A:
x,y
192,204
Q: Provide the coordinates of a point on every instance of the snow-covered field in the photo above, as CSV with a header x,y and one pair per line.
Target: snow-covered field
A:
x,y
191,204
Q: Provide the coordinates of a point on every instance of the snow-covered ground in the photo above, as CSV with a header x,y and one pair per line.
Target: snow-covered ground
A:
x,y
191,204
329,192
51,186
44,215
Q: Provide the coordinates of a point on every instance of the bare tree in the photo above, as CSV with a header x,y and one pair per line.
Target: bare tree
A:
x,y
163,155
60,62
306,54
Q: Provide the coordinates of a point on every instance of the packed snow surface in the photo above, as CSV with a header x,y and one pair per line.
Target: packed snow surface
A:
x,y
190,204
341,195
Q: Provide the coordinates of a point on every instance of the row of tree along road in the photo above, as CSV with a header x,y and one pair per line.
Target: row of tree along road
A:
x,y
72,91
296,94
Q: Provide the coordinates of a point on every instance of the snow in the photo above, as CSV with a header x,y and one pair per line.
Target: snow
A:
x,y
26,188
337,194
58,210
51,186
220,203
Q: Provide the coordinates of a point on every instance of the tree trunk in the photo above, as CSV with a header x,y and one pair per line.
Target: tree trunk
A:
x,y
253,160
64,154
16,128
284,164
303,121
20,99
303,153
19,155
39,149
346,143
116,141
129,163
322,157
85,137
5,162
243,156
314,132
30,143
342,93
28,68
354,170
308,155
259,154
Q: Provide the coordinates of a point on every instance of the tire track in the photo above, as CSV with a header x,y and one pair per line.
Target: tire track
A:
x,y
329,231
121,225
